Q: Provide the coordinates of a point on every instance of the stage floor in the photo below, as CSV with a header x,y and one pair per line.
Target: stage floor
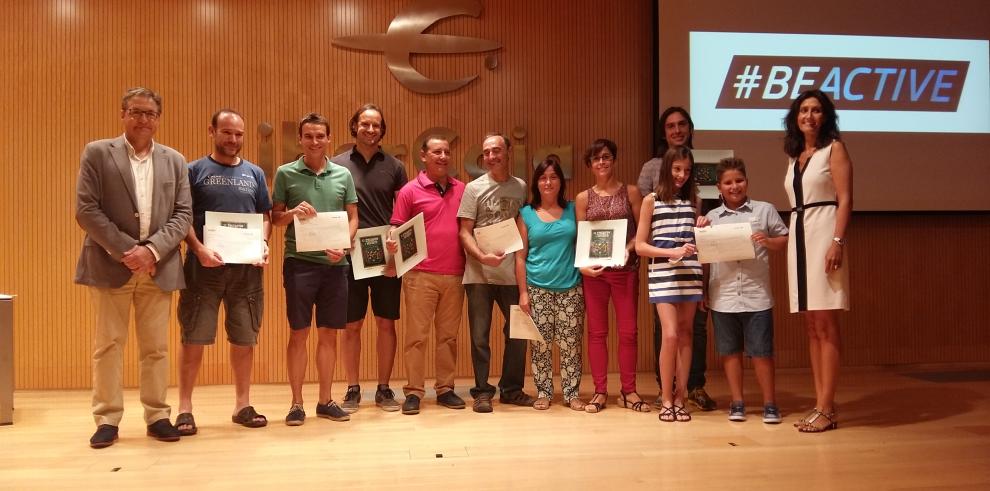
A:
x,y
903,428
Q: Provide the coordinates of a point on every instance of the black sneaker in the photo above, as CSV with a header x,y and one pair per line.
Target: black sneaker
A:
x,y
104,437
352,399
163,431
411,405
296,416
451,400
517,399
700,399
331,411
385,398
482,403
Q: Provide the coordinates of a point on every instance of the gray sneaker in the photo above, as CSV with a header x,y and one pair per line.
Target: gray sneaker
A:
x,y
332,412
385,399
352,398
737,411
771,415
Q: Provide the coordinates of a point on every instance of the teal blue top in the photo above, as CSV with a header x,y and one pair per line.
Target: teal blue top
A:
x,y
550,259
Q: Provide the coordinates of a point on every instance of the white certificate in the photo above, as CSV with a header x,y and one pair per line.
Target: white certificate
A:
x,y
327,230
725,242
502,237
601,243
369,255
411,237
521,325
237,237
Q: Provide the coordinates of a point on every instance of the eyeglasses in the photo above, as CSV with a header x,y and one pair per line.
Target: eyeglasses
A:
x,y
603,158
140,113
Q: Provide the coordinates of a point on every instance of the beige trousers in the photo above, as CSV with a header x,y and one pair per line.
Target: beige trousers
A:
x,y
113,310
432,301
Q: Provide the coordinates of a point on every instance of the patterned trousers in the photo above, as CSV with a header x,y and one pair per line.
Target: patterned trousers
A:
x,y
559,316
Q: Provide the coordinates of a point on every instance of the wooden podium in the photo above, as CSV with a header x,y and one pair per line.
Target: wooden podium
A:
x,y
6,361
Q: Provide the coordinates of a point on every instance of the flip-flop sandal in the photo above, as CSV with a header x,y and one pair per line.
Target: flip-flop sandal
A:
x,y
187,420
250,418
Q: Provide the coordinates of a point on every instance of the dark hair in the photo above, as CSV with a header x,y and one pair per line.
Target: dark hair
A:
x,y
665,187
314,118
727,164
140,92
534,186
357,115
794,139
427,140
505,139
596,147
663,146
216,116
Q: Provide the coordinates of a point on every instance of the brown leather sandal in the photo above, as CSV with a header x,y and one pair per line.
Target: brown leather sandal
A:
x,y
594,406
639,406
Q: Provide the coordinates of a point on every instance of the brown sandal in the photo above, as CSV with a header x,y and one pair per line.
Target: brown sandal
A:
x,y
820,422
667,414
596,407
576,404
680,414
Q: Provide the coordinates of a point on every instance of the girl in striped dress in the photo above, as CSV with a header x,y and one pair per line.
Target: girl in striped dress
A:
x,y
666,236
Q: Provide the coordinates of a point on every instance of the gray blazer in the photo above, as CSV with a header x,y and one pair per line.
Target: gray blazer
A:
x,y
106,208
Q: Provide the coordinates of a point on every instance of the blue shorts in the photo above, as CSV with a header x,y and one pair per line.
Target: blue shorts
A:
x,y
308,284
733,328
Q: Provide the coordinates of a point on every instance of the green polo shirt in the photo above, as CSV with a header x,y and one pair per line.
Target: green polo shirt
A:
x,y
332,190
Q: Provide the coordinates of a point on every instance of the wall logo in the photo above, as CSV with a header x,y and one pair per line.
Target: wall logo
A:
x,y
405,36
746,81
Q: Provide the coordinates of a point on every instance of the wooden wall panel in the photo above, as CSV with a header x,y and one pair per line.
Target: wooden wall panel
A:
x,y
566,75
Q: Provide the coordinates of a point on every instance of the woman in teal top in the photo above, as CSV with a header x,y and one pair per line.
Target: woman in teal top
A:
x,y
549,284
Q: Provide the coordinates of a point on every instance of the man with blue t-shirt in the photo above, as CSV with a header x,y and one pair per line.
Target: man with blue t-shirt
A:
x,y
222,182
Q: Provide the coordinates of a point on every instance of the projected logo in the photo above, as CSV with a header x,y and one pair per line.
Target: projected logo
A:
x,y
764,82
405,36
746,81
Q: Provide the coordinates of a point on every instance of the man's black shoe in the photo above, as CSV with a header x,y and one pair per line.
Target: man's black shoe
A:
x,y
163,431
104,437
411,404
482,403
517,399
451,400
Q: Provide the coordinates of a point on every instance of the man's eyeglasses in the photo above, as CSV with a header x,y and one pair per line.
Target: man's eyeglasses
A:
x,y
140,113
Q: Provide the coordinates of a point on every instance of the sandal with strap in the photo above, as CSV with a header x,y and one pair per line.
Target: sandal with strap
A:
x,y
639,406
820,422
186,424
541,404
594,406
681,414
250,418
667,414
576,404
804,419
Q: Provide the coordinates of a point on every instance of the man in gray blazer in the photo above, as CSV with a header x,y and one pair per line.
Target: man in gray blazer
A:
x,y
132,200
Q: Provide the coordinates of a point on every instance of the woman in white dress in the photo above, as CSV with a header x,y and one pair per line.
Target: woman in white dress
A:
x,y
819,186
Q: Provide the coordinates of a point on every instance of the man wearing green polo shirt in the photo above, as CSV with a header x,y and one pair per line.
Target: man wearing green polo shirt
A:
x,y
303,188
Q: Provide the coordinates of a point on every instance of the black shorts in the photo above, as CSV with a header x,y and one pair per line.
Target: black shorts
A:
x,y
384,296
308,284
238,286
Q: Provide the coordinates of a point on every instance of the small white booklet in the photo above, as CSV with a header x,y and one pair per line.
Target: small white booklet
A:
x,y
327,230
237,237
724,242
521,325
500,237
369,255
601,243
411,237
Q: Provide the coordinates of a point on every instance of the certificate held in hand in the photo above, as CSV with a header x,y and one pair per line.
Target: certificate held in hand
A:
x,y
327,230
502,237
725,242
236,237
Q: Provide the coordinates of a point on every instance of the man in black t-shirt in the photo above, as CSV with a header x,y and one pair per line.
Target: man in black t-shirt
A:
x,y
378,176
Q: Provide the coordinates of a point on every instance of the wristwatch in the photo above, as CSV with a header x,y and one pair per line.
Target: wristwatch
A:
x,y
839,240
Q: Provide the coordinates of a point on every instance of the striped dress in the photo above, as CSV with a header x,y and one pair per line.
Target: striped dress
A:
x,y
672,226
